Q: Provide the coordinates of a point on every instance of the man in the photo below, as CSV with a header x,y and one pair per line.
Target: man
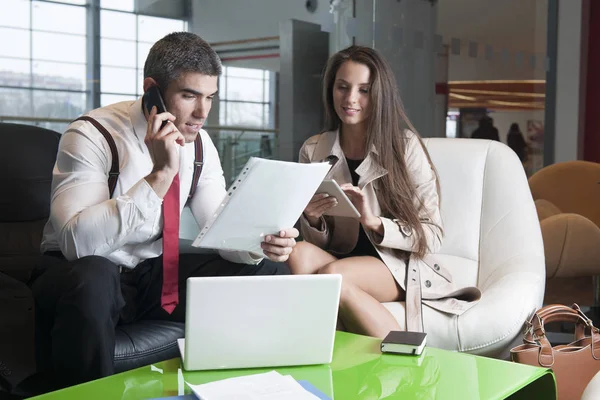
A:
x,y
105,255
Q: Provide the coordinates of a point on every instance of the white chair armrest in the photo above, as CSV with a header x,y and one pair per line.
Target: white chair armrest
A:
x,y
493,325
592,390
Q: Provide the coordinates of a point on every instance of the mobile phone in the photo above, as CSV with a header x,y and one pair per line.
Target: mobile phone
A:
x,y
152,98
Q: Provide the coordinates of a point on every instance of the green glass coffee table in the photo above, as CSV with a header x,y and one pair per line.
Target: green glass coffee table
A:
x,y
358,371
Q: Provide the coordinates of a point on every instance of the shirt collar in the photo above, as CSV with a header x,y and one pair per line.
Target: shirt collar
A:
x,y
138,119
369,169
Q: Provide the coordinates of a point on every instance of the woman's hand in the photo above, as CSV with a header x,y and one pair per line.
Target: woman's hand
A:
x,y
360,201
319,203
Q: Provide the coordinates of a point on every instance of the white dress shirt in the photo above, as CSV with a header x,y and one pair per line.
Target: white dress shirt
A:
x,y
125,228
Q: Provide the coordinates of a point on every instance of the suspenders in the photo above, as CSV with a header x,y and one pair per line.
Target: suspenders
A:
x,y
113,175
198,163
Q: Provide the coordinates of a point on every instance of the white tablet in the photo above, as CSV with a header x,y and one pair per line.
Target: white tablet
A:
x,y
344,207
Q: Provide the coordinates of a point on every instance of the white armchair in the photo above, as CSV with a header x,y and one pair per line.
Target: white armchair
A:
x,y
492,240
592,390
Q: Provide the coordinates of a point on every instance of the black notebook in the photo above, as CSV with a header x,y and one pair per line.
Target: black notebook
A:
x,y
404,342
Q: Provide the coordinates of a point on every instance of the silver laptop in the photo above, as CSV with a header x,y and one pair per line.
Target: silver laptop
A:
x,y
260,321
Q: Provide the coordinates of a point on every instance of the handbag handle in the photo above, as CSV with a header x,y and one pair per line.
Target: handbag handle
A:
x,y
555,313
551,308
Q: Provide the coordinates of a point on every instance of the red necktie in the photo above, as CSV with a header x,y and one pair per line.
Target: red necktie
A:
x,y
170,290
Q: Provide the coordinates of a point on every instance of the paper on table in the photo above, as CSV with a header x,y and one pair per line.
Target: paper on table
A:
x,y
267,386
266,197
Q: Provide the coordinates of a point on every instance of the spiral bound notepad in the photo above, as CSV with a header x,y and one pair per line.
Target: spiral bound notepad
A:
x,y
266,197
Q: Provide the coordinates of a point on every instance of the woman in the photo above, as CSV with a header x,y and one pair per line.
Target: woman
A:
x,y
385,170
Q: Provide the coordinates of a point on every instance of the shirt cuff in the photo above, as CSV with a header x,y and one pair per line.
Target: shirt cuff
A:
x,y
145,198
240,257
395,235
322,229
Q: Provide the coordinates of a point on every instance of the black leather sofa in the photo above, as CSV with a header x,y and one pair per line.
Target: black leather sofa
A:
x,y
26,163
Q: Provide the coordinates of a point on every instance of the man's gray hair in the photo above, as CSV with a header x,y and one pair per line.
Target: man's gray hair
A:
x,y
180,52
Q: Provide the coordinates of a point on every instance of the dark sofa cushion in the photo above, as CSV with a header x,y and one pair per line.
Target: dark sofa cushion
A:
x,y
17,360
146,342
27,161
20,248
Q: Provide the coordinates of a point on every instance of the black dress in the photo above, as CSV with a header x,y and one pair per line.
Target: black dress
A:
x,y
363,247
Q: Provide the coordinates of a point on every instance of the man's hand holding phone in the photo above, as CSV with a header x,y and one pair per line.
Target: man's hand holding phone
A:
x,y
163,139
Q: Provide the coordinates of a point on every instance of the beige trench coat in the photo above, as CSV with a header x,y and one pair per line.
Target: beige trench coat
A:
x,y
429,283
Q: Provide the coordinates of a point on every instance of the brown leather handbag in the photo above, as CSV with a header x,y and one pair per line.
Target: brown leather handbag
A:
x,y
573,364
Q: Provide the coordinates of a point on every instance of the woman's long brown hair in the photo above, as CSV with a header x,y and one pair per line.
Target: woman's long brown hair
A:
x,y
385,131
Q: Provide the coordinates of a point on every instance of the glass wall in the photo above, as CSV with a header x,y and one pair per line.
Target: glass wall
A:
x,y
245,101
125,40
46,70
44,57
495,63
244,97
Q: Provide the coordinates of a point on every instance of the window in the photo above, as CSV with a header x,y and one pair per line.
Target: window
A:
x,y
245,97
44,56
125,41
38,78
123,5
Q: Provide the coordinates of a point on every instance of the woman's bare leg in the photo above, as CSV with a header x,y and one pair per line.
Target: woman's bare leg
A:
x,y
366,283
306,258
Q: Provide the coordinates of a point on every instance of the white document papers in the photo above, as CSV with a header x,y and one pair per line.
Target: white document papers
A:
x,y
267,386
265,198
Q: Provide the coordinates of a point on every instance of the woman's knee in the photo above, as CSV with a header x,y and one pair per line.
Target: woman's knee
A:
x,y
298,260
349,287
299,251
331,268
334,268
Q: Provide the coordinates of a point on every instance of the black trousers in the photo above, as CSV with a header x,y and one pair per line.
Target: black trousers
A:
x,y
80,303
